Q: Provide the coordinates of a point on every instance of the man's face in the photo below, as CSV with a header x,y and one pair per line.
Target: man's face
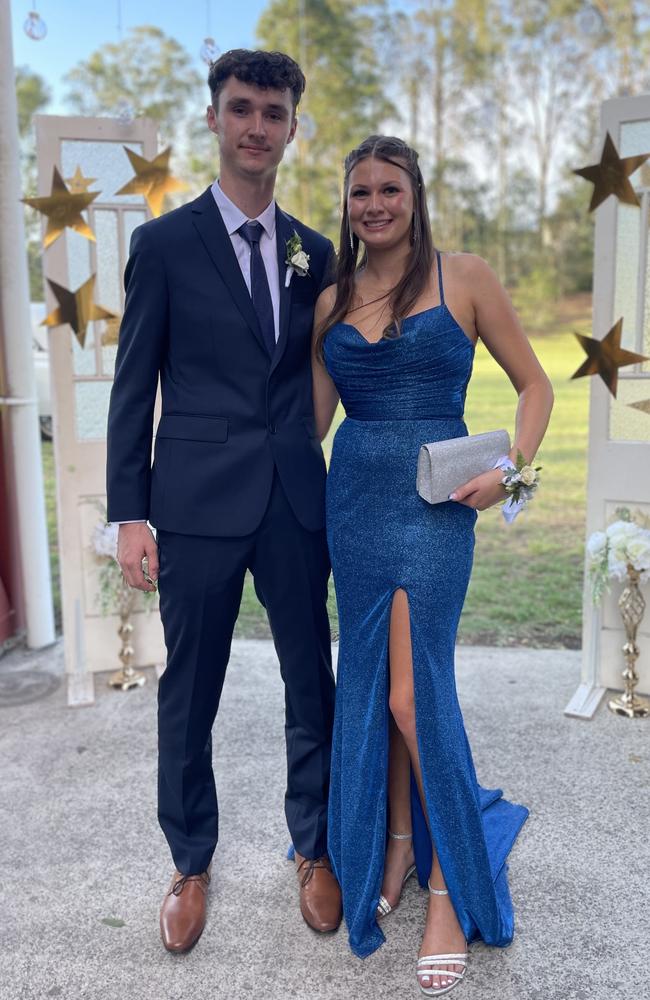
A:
x,y
253,127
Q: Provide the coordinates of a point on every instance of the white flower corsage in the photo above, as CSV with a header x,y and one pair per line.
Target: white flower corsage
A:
x,y
296,260
520,482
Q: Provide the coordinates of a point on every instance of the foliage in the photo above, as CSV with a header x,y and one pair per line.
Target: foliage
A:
x,y
147,69
339,51
498,96
32,95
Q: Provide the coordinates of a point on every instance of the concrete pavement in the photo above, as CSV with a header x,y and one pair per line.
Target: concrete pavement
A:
x,y
84,865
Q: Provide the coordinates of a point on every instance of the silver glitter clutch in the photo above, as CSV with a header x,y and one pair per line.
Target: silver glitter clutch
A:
x,y
445,465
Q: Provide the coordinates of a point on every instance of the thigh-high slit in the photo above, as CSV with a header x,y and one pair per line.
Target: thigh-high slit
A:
x,y
383,537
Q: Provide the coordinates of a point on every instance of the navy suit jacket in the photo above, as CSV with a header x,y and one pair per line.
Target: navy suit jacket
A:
x,y
230,413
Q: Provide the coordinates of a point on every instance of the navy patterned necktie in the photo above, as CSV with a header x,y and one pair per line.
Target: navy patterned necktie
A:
x,y
260,292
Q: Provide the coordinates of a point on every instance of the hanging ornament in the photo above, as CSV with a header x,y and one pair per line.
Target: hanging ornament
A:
x,y
209,50
76,308
610,176
606,356
78,184
307,127
35,27
152,179
63,210
590,21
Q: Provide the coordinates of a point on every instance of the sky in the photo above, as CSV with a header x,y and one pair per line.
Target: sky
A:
x,y
75,28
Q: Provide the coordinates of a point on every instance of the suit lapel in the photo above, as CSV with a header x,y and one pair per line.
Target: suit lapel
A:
x,y
283,232
214,236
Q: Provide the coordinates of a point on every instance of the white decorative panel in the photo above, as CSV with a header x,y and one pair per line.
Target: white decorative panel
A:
x,y
91,409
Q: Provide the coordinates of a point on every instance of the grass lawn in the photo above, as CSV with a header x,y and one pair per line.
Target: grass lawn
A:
x,y
526,585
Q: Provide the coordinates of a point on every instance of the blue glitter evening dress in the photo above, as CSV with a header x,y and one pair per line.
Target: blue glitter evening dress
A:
x,y
399,394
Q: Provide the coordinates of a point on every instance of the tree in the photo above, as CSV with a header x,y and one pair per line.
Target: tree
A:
x,y
620,31
148,70
335,43
32,95
455,42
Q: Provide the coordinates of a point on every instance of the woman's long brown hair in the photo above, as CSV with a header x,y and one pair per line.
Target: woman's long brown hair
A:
x,y
417,272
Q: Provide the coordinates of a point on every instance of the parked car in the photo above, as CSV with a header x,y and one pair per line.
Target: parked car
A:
x,y
41,356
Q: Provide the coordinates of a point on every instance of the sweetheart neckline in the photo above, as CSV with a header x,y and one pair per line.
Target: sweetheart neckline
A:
x,y
423,312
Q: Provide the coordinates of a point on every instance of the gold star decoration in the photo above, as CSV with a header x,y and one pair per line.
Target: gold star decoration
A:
x,y
111,332
606,356
643,405
610,176
76,308
79,184
152,179
63,210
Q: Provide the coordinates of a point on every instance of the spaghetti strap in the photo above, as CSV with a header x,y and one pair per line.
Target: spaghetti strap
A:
x,y
440,284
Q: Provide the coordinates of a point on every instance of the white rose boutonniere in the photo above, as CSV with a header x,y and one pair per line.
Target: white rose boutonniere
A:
x,y
296,260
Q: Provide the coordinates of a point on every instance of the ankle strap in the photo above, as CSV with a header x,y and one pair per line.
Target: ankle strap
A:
x,y
437,892
399,836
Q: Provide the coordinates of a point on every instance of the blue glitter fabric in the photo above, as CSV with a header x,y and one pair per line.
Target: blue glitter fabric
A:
x,y
399,394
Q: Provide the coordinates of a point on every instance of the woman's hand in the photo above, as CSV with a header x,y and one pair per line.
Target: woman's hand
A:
x,y
483,491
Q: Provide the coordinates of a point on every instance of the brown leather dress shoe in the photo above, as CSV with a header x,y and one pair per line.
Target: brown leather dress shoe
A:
x,y
320,895
182,915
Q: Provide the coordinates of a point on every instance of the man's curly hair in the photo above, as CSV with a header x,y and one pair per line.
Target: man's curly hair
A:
x,y
264,69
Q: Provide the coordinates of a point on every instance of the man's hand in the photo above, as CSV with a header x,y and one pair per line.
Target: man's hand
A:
x,y
483,491
134,543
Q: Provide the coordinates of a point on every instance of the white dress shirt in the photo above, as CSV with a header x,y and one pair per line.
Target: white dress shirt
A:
x,y
233,218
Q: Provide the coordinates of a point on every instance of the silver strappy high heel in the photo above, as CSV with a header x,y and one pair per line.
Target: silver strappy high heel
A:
x,y
447,959
383,906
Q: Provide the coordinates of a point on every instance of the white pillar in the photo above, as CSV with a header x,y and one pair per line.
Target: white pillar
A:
x,y
20,384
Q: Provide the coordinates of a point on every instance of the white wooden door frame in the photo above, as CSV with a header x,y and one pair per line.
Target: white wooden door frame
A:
x,y
90,640
618,470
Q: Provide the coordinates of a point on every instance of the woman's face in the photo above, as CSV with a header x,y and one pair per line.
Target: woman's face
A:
x,y
380,203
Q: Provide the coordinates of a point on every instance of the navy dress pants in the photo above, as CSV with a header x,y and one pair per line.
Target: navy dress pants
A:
x,y
200,584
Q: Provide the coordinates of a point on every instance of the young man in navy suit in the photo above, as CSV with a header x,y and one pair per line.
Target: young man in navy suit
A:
x,y
238,478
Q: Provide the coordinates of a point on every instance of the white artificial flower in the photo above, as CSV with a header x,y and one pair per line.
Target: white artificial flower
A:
x,y
619,531
300,262
596,546
619,534
105,540
638,550
616,567
528,475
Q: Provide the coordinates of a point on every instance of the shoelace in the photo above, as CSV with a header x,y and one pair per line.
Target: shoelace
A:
x,y
312,864
178,886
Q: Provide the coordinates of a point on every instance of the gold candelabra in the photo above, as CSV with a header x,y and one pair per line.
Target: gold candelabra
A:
x,y
632,606
126,678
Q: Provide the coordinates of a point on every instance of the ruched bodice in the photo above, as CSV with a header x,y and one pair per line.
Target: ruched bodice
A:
x,y
421,374
399,394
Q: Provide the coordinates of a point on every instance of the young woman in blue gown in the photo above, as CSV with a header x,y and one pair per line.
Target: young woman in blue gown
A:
x,y
394,339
